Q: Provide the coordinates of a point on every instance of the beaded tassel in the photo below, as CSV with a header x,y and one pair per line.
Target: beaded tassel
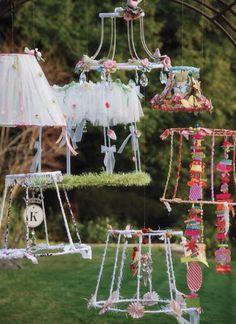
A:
x,y
223,253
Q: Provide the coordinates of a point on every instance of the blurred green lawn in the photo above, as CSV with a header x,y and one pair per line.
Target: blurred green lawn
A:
x,y
55,291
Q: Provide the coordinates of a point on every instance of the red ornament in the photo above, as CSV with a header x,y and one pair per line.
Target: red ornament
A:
x,y
191,245
194,276
107,105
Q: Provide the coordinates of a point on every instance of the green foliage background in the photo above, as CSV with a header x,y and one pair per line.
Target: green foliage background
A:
x,y
65,30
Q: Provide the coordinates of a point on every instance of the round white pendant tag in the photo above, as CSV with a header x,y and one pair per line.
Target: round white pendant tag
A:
x,y
33,215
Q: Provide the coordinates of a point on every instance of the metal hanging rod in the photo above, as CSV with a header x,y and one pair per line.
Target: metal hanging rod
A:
x,y
115,14
128,67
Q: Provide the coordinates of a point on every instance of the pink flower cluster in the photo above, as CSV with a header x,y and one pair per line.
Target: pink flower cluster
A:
x,y
110,66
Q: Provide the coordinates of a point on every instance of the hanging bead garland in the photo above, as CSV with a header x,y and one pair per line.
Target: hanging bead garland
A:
x,y
194,254
197,167
223,253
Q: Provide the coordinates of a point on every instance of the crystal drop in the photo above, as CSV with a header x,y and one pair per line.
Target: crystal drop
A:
x,y
163,78
143,80
82,78
103,77
132,83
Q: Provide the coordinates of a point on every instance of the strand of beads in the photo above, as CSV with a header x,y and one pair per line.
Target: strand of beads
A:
x,y
197,167
223,253
194,254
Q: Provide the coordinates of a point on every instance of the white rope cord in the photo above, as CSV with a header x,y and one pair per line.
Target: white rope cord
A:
x,y
44,216
132,39
150,254
212,167
120,278
111,39
135,152
68,161
191,202
171,266
26,220
109,145
3,203
168,268
71,214
63,213
138,153
130,300
102,266
8,218
101,40
142,36
139,267
105,136
129,43
170,165
40,149
115,266
114,44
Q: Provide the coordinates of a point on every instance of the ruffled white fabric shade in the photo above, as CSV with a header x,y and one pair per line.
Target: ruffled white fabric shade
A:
x,y
26,98
99,103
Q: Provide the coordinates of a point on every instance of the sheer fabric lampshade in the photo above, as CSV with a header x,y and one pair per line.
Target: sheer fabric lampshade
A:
x,y
26,98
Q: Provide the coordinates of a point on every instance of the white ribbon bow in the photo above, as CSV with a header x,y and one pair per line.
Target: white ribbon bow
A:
x,y
134,140
34,52
109,159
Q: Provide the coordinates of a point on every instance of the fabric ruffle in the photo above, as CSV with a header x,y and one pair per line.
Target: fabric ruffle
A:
x,y
100,103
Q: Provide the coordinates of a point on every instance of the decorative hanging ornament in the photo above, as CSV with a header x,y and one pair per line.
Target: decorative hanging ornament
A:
x,y
182,92
28,94
136,296
200,182
34,216
197,167
225,168
132,11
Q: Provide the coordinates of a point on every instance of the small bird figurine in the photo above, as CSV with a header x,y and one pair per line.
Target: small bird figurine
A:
x,y
132,10
133,3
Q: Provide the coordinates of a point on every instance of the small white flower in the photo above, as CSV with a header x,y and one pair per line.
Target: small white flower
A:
x,y
150,299
136,310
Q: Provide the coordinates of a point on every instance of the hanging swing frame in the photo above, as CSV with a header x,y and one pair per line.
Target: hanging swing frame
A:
x,y
39,182
213,133
115,305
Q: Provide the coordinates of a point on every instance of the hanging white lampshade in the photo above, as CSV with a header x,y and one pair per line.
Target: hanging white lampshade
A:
x,y
26,98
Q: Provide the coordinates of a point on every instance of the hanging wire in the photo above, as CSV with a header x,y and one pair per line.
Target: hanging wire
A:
x,y
142,36
203,5
114,44
12,26
33,18
144,160
111,39
182,32
101,40
129,43
132,39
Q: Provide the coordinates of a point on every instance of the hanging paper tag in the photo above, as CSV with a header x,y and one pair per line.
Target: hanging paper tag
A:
x,y
33,216
195,192
194,276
